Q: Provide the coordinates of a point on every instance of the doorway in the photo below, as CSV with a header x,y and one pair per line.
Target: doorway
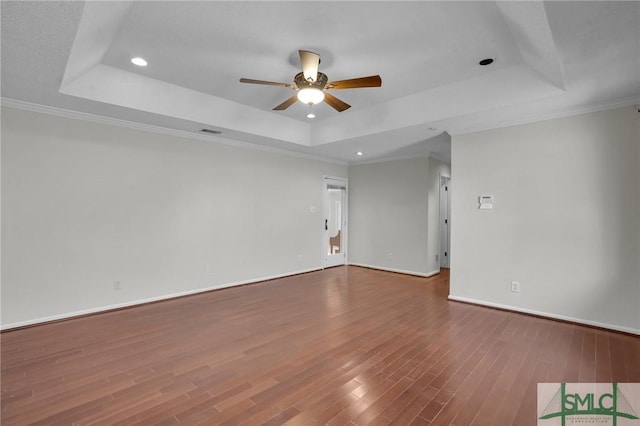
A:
x,y
334,239
445,222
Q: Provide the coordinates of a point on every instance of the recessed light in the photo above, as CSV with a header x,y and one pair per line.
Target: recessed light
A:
x,y
359,153
311,115
139,61
486,61
433,128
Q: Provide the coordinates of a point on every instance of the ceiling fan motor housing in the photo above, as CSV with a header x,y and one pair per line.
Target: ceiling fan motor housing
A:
x,y
320,82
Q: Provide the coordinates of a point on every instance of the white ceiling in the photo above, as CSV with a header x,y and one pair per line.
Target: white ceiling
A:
x,y
551,59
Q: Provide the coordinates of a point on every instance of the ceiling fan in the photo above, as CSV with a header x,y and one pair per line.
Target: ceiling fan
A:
x,y
311,85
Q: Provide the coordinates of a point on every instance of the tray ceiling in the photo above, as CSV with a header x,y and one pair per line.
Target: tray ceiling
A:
x,y
551,59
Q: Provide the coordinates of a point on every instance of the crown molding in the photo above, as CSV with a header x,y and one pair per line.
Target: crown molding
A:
x,y
533,118
100,119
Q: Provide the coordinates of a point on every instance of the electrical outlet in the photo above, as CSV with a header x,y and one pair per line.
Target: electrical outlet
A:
x,y
299,258
437,258
515,287
390,256
116,285
208,271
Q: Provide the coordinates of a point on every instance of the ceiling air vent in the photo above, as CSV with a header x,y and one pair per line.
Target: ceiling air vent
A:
x,y
211,131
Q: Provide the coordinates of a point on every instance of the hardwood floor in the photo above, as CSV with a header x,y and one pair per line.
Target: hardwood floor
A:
x,y
345,346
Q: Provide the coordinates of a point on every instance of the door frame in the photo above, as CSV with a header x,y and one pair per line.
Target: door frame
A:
x,y
343,182
447,200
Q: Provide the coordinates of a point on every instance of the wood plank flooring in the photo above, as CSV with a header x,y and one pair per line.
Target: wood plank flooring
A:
x,y
344,346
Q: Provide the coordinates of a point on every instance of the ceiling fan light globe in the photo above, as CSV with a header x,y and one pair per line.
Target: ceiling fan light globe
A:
x,y
310,96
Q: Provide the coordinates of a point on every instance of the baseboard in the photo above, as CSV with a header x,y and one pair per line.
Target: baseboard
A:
x,y
545,315
399,271
101,309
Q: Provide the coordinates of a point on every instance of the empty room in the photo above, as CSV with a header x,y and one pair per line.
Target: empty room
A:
x,y
320,213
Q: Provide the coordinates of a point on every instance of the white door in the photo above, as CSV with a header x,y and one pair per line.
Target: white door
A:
x,y
445,222
334,240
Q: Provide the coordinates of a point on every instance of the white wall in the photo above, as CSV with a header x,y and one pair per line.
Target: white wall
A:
x,y
566,218
85,204
390,212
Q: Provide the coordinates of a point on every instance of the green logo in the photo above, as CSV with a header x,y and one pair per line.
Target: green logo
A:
x,y
585,402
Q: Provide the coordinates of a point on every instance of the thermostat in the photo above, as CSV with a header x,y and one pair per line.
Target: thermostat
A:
x,y
486,202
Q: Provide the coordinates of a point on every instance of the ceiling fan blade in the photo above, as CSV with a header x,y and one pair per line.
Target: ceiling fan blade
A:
x,y
268,83
286,104
353,83
336,103
310,62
